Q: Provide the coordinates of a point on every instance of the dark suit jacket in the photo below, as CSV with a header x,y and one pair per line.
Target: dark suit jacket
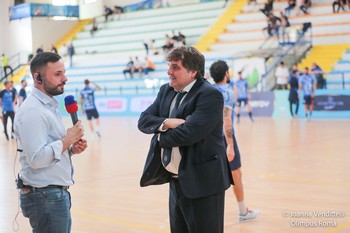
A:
x,y
203,169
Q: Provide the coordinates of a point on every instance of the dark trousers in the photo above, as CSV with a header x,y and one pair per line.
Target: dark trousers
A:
x,y
5,70
6,115
200,215
296,108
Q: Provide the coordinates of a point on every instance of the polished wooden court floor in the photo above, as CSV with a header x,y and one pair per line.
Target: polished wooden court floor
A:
x,y
293,171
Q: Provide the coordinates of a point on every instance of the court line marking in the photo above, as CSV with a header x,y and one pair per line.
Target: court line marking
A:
x,y
338,228
120,222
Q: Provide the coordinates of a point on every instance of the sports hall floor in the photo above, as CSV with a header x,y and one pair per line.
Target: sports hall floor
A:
x,y
290,167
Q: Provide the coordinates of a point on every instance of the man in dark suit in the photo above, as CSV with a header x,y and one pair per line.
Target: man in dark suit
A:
x,y
188,148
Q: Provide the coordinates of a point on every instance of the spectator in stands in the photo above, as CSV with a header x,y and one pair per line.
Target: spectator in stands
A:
x,y
291,5
340,4
107,12
138,66
293,92
119,11
5,65
273,24
282,75
53,49
149,45
305,5
307,83
149,66
169,44
70,53
22,92
181,37
318,73
284,27
94,27
268,7
129,68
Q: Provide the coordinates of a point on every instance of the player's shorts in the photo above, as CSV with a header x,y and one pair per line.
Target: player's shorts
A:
x,y
236,162
91,113
308,100
244,100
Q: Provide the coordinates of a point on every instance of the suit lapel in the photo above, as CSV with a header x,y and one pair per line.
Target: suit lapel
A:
x,y
190,94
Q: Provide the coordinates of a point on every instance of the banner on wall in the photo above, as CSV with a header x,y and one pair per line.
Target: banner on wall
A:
x,y
42,10
328,104
262,104
332,103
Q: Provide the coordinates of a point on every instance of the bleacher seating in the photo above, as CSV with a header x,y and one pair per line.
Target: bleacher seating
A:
x,y
246,31
103,56
339,77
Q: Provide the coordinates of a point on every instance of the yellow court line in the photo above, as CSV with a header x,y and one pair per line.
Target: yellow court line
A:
x,y
134,225
338,227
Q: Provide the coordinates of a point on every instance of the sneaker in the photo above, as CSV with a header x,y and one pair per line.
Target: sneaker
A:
x,y
250,215
98,134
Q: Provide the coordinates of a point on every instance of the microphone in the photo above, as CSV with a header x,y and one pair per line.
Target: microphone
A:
x,y
71,107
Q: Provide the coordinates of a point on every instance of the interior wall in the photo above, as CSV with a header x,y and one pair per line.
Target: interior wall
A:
x,y
46,31
4,5
91,10
19,36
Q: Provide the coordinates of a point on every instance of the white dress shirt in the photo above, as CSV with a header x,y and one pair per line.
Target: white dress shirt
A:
x,y
174,163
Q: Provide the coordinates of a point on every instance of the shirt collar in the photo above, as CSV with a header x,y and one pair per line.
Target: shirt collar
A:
x,y
188,87
45,99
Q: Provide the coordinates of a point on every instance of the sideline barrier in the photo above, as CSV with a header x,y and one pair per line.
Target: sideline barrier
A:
x,y
328,104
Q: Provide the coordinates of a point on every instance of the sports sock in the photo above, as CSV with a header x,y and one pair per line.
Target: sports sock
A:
x,y
242,208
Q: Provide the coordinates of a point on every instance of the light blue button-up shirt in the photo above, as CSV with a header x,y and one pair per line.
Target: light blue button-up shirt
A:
x,y
38,127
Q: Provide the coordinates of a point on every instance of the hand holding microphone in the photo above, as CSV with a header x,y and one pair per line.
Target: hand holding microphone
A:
x,y
75,133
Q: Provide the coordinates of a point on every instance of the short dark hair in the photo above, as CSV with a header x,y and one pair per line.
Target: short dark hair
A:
x,y
41,59
191,59
86,81
218,70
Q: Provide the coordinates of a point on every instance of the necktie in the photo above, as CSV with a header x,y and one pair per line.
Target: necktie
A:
x,y
167,151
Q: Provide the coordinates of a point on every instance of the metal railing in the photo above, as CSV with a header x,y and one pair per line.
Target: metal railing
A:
x,y
16,61
286,51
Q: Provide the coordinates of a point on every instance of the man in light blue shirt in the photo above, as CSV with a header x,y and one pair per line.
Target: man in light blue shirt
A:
x,y
46,148
308,85
220,74
242,96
